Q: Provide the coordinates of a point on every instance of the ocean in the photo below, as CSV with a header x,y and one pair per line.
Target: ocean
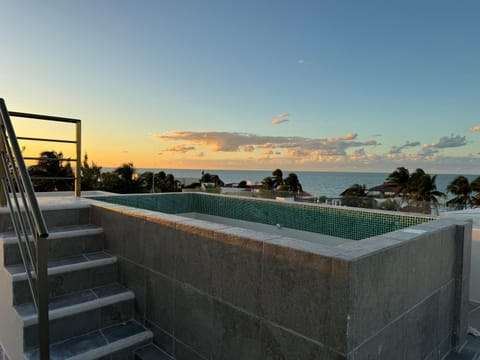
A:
x,y
317,183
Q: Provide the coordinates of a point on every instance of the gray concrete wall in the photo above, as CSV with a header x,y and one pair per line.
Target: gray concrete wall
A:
x,y
212,291
474,216
408,300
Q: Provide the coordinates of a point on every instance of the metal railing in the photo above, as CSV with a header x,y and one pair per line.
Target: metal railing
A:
x,y
28,222
78,144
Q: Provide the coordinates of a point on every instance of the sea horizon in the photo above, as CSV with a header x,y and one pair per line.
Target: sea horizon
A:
x,y
318,183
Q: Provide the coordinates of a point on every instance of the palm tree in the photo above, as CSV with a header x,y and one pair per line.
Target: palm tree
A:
x,y
401,178
475,185
356,196
91,175
121,180
50,165
267,183
277,177
127,182
159,182
355,190
292,183
211,178
170,184
423,191
462,189
146,182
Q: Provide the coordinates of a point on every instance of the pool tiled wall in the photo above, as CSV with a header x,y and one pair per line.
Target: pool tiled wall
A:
x,y
354,224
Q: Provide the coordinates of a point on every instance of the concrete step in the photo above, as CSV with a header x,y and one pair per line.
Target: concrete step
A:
x,y
62,242
54,215
75,314
67,275
151,352
100,344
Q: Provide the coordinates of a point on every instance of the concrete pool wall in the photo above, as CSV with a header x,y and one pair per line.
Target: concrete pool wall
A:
x,y
474,215
216,291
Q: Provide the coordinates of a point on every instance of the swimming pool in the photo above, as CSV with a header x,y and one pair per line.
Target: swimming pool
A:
x,y
341,222
197,254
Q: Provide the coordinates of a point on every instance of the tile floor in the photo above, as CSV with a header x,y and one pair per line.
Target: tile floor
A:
x,y
471,350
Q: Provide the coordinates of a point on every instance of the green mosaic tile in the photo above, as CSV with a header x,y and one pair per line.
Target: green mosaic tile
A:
x,y
354,224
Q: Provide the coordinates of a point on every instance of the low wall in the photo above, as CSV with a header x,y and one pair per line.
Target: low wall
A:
x,y
475,267
212,291
474,216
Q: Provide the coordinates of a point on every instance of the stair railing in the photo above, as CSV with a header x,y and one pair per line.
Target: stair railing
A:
x,y
77,142
28,222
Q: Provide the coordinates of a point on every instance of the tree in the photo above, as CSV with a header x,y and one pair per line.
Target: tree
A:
x,y
461,188
110,181
401,178
267,183
242,184
423,191
127,183
277,178
159,182
51,165
121,180
170,184
146,182
355,190
389,204
91,175
276,182
356,196
293,184
463,191
211,178
475,185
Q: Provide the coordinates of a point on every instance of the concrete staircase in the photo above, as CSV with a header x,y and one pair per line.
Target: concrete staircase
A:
x,y
91,313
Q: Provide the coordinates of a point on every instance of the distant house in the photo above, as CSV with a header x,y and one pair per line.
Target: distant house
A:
x,y
383,191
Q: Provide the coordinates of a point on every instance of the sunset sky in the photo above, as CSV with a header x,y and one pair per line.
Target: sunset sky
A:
x,y
301,85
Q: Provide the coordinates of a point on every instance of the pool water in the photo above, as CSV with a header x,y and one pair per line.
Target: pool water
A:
x,y
342,222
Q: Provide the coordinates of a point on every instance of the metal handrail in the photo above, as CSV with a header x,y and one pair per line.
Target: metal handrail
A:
x,y
27,221
77,142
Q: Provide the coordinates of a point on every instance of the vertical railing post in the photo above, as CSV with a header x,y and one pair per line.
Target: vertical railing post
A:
x,y
3,195
78,167
43,291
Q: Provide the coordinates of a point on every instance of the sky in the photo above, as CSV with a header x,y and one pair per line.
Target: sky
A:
x,y
320,85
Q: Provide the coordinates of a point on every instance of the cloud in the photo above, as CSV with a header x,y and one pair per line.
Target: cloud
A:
x,y
279,121
180,148
349,136
447,142
281,118
399,149
234,142
360,152
475,128
428,152
300,61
